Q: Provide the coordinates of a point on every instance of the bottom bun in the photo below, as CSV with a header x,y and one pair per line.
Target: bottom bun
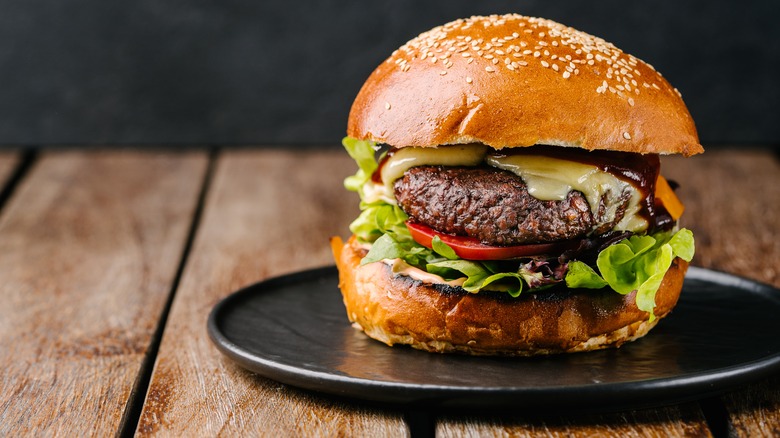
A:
x,y
397,309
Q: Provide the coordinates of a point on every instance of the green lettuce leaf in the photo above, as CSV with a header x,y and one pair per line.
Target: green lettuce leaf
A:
x,y
363,153
638,263
441,248
378,219
580,275
478,277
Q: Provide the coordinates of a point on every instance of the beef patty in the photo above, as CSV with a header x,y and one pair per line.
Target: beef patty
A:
x,y
494,206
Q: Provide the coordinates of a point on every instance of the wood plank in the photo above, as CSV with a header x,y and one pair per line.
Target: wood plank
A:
x,y
755,411
89,246
9,160
732,206
683,421
267,213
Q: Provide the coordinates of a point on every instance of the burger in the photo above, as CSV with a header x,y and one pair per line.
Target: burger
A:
x,y
511,195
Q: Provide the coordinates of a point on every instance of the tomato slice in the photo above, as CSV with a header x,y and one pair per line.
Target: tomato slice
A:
x,y
469,248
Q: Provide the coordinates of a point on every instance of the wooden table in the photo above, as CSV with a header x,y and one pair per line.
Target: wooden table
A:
x,y
111,261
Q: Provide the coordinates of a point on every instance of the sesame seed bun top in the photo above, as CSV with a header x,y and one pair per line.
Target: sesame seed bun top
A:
x,y
513,81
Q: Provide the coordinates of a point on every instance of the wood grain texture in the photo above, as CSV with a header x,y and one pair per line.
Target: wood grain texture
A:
x,y
732,203
755,411
8,162
682,421
267,213
89,246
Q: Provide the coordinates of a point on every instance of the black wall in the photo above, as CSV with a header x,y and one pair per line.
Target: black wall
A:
x,y
150,72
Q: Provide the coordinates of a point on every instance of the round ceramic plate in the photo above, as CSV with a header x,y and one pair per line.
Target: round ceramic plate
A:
x,y
723,333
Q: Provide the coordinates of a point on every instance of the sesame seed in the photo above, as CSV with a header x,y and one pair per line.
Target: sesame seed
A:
x,y
443,72
387,105
627,136
631,101
469,80
510,38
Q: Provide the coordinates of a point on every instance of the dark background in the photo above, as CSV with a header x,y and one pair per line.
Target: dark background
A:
x,y
249,72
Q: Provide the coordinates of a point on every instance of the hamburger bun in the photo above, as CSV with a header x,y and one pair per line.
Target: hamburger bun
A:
x,y
514,81
397,309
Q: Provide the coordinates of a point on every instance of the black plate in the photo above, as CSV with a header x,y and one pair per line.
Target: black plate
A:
x,y
724,332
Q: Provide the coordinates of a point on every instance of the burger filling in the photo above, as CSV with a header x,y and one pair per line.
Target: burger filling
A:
x,y
494,206
524,219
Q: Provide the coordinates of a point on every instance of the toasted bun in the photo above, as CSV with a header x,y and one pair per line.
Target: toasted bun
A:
x,y
397,309
514,81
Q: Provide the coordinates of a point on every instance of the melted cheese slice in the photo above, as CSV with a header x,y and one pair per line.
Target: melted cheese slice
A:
x,y
455,155
405,158
551,179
